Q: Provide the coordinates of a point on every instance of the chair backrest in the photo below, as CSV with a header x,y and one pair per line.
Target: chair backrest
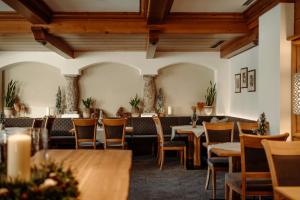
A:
x,y
284,162
218,132
247,127
254,163
114,129
85,129
49,124
37,123
159,129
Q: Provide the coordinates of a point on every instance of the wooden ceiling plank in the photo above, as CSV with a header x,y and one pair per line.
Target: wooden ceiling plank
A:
x,y
258,8
35,11
239,45
158,10
52,42
152,43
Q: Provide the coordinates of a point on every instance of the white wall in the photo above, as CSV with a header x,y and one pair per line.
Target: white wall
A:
x,y
244,104
37,85
135,60
272,61
183,86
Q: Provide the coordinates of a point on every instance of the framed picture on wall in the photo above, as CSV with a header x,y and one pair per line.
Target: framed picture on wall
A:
x,y
244,77
237,81
251,80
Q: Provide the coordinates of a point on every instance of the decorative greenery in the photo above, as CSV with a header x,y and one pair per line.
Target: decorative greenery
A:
x,y
135,102
58,104
49,182
10,96
262,124
194,117
2,118
210,94
87,102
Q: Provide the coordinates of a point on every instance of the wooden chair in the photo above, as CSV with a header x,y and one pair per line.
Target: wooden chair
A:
x,y
85,133
284,162
114,131
217,133
254,179
48,126
168,145
249,127
37,123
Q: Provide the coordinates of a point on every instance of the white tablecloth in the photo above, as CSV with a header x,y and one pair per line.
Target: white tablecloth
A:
x,y
197,131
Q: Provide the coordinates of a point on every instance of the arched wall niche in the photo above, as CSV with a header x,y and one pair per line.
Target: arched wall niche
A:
x,y
37,84
184,84
111,85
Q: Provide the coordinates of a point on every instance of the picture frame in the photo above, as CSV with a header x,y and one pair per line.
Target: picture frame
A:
x,y
237,81
252,80
244,77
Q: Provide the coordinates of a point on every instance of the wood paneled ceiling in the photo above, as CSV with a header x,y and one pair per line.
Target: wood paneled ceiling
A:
x,y
130,25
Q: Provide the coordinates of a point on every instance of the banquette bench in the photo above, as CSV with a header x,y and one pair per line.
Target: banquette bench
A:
x,y
142,140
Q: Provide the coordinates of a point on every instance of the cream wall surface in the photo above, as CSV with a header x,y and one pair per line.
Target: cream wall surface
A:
x,y
183,86
111,85
37,85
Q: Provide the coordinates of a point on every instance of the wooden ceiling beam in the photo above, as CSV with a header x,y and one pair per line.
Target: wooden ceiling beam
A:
x,y
52,42
152,43
258,8
158,10
205,23
35,11
240,44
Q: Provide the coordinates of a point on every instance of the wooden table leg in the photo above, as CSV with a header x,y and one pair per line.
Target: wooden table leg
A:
x,y
197,152
191,146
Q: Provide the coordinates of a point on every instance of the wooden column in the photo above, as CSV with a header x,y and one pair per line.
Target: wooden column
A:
x,y
149,93
72,92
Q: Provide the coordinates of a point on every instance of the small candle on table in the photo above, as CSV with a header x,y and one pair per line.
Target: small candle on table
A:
x,y
47,111
169,110
18,156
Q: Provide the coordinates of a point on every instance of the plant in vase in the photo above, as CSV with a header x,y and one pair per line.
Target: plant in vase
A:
x,y
200,106
87,107
194,117
210,98
10,98
135,102
262,124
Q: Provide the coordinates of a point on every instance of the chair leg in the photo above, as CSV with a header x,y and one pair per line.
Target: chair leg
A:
x,y
184,157
207,178
162,158
181,157
227,189
213,175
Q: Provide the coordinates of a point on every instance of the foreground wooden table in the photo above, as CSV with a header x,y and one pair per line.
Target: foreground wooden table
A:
x,y
292,193
102,174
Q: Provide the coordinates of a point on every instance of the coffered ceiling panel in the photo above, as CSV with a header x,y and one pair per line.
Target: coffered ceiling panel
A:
x,y
4,7
209,6
94,5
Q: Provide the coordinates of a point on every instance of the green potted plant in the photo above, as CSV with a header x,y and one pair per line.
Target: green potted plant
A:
x,y
210,98
58,103
87,107
135,102
10,98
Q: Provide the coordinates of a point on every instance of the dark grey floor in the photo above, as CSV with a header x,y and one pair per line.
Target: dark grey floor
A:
x,y
172,183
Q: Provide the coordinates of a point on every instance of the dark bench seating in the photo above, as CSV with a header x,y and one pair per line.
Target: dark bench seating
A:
x,y
143,140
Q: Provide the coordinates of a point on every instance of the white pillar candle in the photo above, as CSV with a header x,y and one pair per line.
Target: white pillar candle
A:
x,y
18,156
169,110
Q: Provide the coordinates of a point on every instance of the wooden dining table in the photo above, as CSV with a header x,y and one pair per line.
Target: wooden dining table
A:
x,y
232,150
194,139
102,174
288,192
